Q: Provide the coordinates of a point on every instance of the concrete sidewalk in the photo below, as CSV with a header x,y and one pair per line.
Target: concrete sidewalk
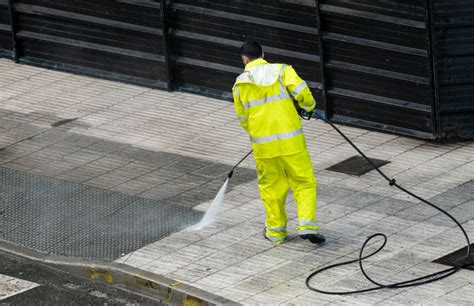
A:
x,y
231,258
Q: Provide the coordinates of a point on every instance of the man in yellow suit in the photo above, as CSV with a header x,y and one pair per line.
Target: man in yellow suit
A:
x,y
263,98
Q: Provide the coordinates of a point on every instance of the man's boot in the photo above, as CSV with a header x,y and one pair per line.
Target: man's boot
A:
x,y
314,238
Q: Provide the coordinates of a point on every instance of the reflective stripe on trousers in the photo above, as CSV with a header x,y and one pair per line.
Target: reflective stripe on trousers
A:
x,y
307,227
276,229
274,239
306,232
280,231
307,223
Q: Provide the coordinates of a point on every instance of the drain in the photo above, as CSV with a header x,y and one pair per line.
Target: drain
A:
x,y
455,258
356,165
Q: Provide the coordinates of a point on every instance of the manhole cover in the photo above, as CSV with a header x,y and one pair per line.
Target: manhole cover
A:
x,y
455,258
356,165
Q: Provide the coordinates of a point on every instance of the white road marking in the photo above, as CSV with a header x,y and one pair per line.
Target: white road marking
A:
x,y
10,286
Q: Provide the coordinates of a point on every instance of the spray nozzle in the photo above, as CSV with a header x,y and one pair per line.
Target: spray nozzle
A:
x,y
230,174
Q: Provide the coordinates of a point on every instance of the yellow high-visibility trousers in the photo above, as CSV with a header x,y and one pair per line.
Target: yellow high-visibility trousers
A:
x,y
275,176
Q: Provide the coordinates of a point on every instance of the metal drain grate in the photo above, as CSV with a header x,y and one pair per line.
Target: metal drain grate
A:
x,y
356,165
455,258
71,219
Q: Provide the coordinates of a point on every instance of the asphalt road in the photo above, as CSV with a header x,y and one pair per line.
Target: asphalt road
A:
x,y
57,287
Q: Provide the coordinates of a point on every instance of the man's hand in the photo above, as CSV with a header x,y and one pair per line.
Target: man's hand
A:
x,y
304,114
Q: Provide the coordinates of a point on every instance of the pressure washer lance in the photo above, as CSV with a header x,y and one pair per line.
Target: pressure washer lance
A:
x,y
403,284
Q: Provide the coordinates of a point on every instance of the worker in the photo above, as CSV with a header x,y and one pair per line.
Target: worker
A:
x,y
263,97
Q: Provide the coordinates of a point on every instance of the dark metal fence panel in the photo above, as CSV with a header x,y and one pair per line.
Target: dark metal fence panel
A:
x,y
377,64
454,35
402,66
207,35
6,45
116,39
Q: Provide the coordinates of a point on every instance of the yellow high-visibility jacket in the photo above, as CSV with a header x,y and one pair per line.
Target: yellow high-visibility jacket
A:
x,y
263,99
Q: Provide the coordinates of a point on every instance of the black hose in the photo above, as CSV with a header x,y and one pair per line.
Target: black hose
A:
x,y
403,284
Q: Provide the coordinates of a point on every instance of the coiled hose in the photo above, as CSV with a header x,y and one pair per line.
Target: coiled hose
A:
x,y
378,285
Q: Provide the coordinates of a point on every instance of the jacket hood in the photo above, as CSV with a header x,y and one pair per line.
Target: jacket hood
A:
x,y
260,72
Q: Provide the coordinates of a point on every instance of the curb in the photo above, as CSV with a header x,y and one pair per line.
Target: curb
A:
x,y
152,285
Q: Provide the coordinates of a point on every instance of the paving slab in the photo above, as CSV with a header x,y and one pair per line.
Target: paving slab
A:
x,y
159,147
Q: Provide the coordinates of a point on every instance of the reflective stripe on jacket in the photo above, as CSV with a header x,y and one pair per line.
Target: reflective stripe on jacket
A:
x,y
263,98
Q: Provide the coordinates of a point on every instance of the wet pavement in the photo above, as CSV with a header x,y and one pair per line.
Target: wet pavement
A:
x,y
71,219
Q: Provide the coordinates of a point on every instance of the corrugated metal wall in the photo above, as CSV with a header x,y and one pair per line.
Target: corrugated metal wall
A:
x,y
369,63
377,65
453,23
6,40
116,39
207,35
